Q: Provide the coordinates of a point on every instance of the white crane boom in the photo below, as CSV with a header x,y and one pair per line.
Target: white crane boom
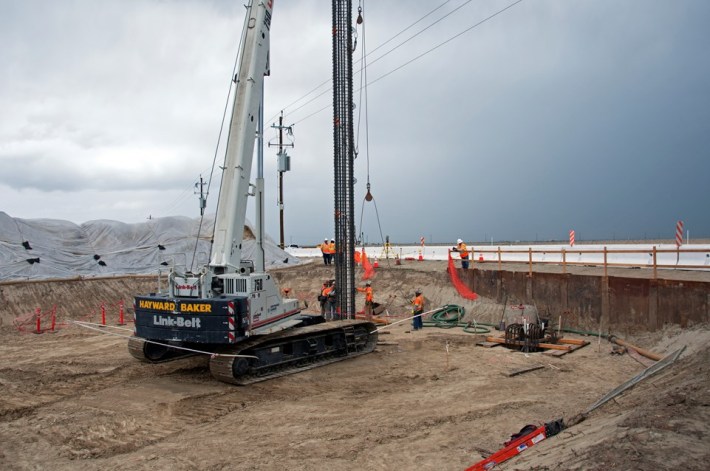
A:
x,y
234,191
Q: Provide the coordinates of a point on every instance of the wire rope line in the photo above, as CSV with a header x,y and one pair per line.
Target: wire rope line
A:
x,y
490,17
303,98
367,109
420,19
90,326
387,326
479,23
363,97
364,106
328,80
422,30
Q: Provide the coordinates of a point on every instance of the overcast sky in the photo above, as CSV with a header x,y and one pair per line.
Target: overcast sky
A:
x,y
591,115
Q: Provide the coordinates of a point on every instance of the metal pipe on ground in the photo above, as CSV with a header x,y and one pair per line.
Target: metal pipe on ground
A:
x,y
641,351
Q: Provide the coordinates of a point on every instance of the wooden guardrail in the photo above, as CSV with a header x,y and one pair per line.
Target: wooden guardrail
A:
x,y
498,257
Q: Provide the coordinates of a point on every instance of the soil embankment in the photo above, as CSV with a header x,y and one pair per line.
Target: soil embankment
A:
x,y
430,400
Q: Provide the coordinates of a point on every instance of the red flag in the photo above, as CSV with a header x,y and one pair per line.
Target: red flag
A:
x,y
458,284
369,270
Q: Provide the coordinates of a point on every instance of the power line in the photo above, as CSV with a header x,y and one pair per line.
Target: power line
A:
x,y
378,47
420,55
447,41
422,30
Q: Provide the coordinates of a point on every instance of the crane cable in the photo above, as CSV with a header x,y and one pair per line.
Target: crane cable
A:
x,y
363,93
364,105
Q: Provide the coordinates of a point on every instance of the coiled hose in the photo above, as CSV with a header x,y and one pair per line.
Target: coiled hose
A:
x,y
450,315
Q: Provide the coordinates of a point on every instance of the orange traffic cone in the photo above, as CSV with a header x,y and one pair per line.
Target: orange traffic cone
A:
x,y
420,256
376,265
480,258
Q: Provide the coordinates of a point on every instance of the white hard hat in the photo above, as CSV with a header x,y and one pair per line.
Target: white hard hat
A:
x,y
326,239
459,241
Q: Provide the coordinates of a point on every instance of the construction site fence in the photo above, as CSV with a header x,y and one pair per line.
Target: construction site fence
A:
x,y
654,259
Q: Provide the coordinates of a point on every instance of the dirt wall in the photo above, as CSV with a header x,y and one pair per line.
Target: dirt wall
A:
x,y
74,299
585,301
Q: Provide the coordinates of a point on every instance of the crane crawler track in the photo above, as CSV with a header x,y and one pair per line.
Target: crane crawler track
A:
x,y
154,353
293,351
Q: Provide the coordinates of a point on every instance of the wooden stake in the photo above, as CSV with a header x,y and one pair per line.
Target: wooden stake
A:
x,y
599,341
447,355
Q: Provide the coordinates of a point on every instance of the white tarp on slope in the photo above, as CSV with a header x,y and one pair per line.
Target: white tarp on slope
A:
x,y
62,249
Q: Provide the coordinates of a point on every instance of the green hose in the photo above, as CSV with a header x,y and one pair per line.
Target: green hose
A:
x,y
450,315
584,332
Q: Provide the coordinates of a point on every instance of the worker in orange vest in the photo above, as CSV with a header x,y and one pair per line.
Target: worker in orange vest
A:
x,y
463,252
417,310
323,296
368,299
331,250
324,248
331,310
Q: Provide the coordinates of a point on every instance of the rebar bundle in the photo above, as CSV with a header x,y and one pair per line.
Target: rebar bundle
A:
x,y
343,158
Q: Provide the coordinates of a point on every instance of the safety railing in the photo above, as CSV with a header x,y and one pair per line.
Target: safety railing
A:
x,y
655,258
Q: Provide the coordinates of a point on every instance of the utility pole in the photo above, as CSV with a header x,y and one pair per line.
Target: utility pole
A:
x,y
284,165
200,186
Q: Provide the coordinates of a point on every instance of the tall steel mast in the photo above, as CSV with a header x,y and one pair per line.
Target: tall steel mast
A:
x,y
343,157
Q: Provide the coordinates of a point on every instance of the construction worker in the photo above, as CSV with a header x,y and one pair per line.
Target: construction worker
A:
x,y
417,310
331,250
463,252
368,299
324,248
331,311
323,296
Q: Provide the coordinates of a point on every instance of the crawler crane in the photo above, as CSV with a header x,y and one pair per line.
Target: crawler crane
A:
x,y
229,308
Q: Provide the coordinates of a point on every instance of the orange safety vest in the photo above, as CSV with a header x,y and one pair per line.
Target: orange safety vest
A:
x,y
331,247
324,247
418,302
463,250
368,293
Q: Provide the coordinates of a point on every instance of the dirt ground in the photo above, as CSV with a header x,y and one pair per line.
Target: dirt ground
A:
x,y
75,399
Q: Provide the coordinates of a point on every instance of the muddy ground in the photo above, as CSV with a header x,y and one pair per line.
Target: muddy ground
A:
x,y
75,399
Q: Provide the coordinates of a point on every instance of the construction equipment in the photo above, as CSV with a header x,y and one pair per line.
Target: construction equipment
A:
x,y
526,331
519,442
232,308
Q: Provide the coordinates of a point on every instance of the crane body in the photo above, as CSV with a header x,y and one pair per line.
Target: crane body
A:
x,y
229,308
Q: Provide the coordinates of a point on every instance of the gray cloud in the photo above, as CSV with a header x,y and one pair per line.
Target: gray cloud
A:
x,y
590,115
